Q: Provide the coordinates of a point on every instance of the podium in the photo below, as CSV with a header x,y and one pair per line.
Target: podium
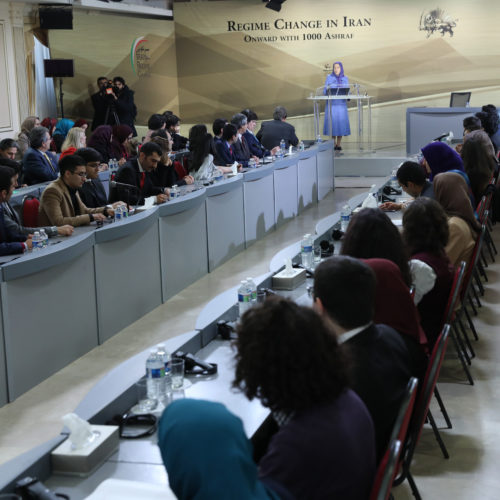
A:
x,y
352,92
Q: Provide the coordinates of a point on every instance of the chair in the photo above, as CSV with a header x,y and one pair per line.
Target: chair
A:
x,y
180,169
386,471
422,412
30,211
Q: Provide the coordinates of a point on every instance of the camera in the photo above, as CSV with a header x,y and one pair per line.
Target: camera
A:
x,y
108,88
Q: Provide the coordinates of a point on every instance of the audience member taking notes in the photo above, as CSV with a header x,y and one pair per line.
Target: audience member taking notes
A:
x,y
61,203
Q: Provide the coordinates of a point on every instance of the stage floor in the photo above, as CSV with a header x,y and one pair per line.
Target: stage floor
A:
x,y
377,161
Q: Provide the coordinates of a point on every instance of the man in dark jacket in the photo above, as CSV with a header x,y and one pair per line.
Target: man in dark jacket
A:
x,y
271,132
124,104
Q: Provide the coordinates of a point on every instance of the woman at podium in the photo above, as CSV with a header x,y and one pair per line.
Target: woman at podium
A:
x,y
336,116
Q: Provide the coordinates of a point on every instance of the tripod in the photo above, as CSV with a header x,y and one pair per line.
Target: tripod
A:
x,y
111,107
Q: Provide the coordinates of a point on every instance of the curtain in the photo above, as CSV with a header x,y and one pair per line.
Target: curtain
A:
x,y
45,97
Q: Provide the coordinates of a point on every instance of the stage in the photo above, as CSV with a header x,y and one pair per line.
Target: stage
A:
x,y
378,161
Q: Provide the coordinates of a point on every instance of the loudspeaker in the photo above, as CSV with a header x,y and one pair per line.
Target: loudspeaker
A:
x,y
56,17
58,68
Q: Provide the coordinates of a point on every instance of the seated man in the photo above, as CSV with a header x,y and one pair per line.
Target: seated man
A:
x,y
8,149
271,132
217,128
173,127
92,192
11,218
224,148
241,150
411,178
156,122
138,186
344,291
289,358
61,204
39,164
11,242
256,148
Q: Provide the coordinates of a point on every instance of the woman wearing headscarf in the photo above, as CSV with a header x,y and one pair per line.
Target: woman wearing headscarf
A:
x,y
425,232
50,124
439,157
336,115
478,156
451,192
62,128
81,123
23,137
121,135
394,305
100,140
207,454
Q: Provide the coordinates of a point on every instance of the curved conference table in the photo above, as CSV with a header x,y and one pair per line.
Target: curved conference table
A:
x,y
59,303
140,460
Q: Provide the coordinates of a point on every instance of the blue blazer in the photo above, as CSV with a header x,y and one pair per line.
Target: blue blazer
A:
x,y
10,242
37,169
225,156
256,148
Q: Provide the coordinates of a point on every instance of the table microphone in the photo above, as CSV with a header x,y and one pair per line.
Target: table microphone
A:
x,y
122,184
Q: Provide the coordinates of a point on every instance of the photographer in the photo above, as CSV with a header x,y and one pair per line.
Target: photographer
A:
x,y
123,104
100,102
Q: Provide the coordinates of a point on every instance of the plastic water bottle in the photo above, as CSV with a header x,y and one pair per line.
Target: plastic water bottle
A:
x,y
345,218
124,211
113,165
374,191
394,179
282,148
301,146
36,242
318,138
165,357
155,374
253,290
174,191
118,213
244,297
306,253
44,239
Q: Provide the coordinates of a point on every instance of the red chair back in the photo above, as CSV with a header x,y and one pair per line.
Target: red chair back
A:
x,y
449,312
179,168
405,412
386,471
30,211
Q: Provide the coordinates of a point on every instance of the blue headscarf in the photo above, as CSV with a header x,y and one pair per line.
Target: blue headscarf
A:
x,y
63,127
207,454
442,158
341,74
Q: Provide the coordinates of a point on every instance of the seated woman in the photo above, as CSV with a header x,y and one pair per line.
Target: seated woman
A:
x,y
425,232
452,194
439,157
201,157
207,454
479,160
64,125
395,307
324,447
50,124
75,139
119,143
165,174
371,234
100,140
22,139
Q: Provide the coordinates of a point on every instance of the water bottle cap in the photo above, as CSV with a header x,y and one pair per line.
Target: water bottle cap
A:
x,y
161,346
152,351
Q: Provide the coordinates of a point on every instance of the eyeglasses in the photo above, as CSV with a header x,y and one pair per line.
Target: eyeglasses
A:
x,y
81,174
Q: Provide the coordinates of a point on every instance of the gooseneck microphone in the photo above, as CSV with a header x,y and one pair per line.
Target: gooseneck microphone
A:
x,y
122,184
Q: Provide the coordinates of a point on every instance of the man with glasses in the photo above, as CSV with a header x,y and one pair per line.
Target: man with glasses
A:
x,y
39,164
61,203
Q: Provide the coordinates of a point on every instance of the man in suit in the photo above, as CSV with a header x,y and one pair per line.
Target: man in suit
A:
x,y
39,164
271,132
241,150
256,148
137,173
92,192
217,127
344,291
11,219
224,147
61,204
11,242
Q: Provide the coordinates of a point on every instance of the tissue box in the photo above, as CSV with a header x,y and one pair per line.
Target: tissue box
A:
x,y
285,281
83,462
